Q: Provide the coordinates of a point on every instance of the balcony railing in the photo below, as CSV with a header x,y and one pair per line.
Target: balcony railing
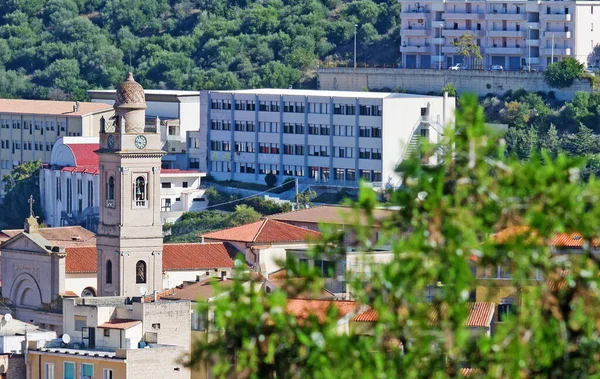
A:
x,y
140,203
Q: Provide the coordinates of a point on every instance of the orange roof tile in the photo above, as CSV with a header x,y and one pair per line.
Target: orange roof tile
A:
x,y
81,260
57,108
63,236
70,294
264,231
185,256
119,323
202,290
558,240
328,214
480,315
191,256
302,309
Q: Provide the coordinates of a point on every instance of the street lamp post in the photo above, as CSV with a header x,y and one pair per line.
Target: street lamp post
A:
x,y
355,29
529,49
441,43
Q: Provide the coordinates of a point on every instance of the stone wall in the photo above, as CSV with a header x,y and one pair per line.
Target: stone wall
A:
x,y
161,362
423,81
12,366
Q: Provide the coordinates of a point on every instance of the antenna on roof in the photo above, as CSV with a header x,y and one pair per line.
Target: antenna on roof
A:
x,y
66,339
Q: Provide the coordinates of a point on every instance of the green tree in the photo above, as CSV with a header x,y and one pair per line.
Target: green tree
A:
x,y
562,74
270,179
244,214
443,221
450,88
21,183
304,199
467,47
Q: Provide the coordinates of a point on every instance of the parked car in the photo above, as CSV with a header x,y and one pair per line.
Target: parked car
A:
x,y
458,66
592,69
497,67
528,69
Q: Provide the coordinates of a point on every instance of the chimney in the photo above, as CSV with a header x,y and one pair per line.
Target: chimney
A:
x,y
74,108
77,106
202,239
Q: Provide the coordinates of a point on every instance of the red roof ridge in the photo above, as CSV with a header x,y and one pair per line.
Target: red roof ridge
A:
x,y
194,243
260,230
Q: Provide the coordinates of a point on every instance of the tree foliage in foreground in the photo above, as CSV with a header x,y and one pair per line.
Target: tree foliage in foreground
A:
x,y
445,215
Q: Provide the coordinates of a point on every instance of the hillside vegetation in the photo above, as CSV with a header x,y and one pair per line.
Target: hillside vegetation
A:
x,y
59,49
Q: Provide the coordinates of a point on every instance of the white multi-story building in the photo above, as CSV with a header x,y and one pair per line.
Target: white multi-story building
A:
x,y
70,186
512,34
28,128
178,113
327,137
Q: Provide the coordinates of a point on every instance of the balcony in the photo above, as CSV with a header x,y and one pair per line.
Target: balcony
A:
x,y
500,16
557,35
438,41
415,32
507,33
449,50
533,42
415,14
437,58
415,49
460,32
463,16
533,25
557,51
555,17
535,61
506,50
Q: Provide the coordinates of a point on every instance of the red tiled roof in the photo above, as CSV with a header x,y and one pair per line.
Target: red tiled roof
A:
x,y
84,153
63,108
81,260
558,240
329,214
70,294
191,256
480,315
264,231
119,323
202,290
185,256
63,236
303,308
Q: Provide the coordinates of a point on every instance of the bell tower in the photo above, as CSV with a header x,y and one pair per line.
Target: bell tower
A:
x,y
129,239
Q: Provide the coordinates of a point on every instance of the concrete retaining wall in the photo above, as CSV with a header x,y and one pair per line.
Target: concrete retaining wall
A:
x,y
423,81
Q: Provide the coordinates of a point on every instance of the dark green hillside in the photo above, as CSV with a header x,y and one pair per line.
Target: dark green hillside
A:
x,y
61,48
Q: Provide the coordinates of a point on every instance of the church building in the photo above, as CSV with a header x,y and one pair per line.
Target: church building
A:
x,y
126,257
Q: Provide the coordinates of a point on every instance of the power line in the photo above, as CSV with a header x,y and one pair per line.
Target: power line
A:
x,y
244,198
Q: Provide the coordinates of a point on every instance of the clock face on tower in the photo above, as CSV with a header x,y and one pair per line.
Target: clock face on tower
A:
x,y
140,142
110,141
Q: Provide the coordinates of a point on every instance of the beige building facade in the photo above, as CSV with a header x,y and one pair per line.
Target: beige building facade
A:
x,y
511,34
28,128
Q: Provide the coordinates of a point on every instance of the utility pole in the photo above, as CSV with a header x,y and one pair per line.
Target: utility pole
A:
x,y
441,42
355,29
529,49
296,199
552,59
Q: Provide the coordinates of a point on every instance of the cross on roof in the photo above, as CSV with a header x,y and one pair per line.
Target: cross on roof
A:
x,y
31,201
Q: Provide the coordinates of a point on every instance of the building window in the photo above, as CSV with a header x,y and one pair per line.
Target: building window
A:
x,y
58,189
140,272
106,332
140,191
90,193
87,371
110,193
108,272
166,185
506,308
69,196
69,370
156,326
49,371
194,163
107,373
185,184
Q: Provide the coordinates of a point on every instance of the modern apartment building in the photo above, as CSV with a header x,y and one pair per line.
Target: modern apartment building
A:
x,y
178,113
512,34
320,137
28,128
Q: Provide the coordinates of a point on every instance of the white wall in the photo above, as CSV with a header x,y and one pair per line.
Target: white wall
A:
x,y
78,282
585,37
172,279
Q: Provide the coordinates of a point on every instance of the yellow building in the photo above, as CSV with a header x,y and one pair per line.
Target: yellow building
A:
x,y
28,128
